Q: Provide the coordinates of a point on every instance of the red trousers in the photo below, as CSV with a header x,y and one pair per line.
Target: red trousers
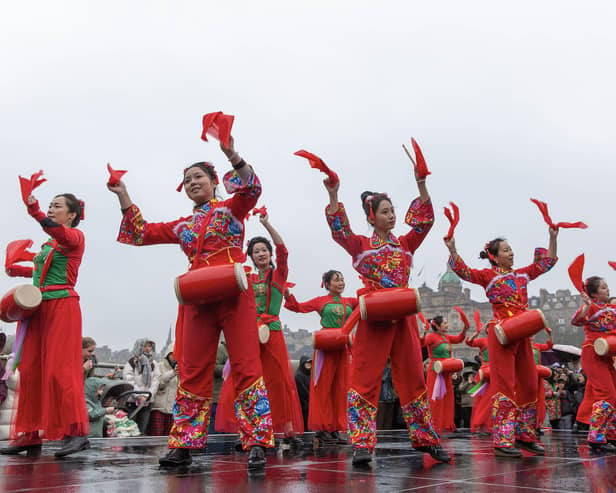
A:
x,y
374,343
327,405
442,409
481,417
513,385
51,391
198,331
201,326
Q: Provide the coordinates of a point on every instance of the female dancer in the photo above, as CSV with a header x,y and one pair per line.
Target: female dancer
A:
x,y
439,344
51,393
513,374
480,417
329,387
211,236
269,285
598,317
384,261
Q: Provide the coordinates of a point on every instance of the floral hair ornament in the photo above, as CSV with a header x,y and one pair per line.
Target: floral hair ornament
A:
x,y
368,200
209,166
317,163
217,125
576,270
543,208
419,162
115,175
27,185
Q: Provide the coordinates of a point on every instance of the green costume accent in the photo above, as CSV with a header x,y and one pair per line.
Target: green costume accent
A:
x,y
332,314
56,275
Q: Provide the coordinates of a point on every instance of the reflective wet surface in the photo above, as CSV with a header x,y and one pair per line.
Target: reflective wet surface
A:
x,y
131,465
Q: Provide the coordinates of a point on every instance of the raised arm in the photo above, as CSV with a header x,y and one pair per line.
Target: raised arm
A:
x,y
481,277
241,181
543,264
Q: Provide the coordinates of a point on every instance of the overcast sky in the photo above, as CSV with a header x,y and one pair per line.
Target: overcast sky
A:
x,y
508,100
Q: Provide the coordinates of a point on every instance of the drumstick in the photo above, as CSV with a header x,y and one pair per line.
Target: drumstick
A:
x,y
409,155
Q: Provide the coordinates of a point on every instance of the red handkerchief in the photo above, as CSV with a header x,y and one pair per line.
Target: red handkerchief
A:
x,y
463,317
262,211
422,167
543,208
17,251
576,270
28,185
453,216
317,163
115,175
217,125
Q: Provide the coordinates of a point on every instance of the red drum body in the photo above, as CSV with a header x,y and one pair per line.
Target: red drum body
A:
x,y
519,326
210,284
484,374
330,339
449,365
606,346
20,302
544,371
389,304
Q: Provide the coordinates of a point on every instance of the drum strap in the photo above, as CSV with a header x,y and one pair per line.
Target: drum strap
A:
x,y
201,237
48,260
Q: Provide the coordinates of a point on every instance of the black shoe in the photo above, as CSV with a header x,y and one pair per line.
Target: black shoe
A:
x,y
237,446
72,445
324,438
361,456
176,457
31,450
339,438
256,458
507,452
532,447
602,447
436,452
294,442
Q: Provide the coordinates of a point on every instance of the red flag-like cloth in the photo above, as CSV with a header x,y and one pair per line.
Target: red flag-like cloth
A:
x,y
453,216
576,275
28,185
17,251
317,163
115,175
217,125
262,211
463,317
612,264
477,319
422,167
543,208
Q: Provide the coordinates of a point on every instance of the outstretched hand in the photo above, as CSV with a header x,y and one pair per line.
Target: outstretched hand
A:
x,y
118,188
450,244
331,188
229,151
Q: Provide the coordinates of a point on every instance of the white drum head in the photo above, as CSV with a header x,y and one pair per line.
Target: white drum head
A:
x,y
438,367
264,333
240,277
362,307
545,324
500,334
27,296
178,293
601,346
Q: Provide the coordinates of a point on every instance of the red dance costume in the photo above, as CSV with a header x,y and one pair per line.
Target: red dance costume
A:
x,y
481,417
220,224
439,347
513,373
539,348
386,264
51,392
329,387
277,372
600,396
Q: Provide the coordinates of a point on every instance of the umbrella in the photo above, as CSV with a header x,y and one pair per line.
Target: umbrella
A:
x,y
567,348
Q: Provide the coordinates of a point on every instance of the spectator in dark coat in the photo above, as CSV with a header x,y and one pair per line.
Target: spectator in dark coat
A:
x,y
302,381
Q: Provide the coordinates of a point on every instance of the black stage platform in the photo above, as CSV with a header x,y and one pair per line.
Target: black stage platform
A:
x,y
131,465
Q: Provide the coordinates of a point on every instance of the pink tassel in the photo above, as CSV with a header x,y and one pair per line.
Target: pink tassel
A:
x,y
226,369
13,362
318,365
440,388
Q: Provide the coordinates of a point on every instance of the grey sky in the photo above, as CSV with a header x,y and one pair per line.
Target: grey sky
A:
x,y
509,101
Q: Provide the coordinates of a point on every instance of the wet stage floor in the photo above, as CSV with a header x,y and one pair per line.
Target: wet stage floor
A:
x,y
131,465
